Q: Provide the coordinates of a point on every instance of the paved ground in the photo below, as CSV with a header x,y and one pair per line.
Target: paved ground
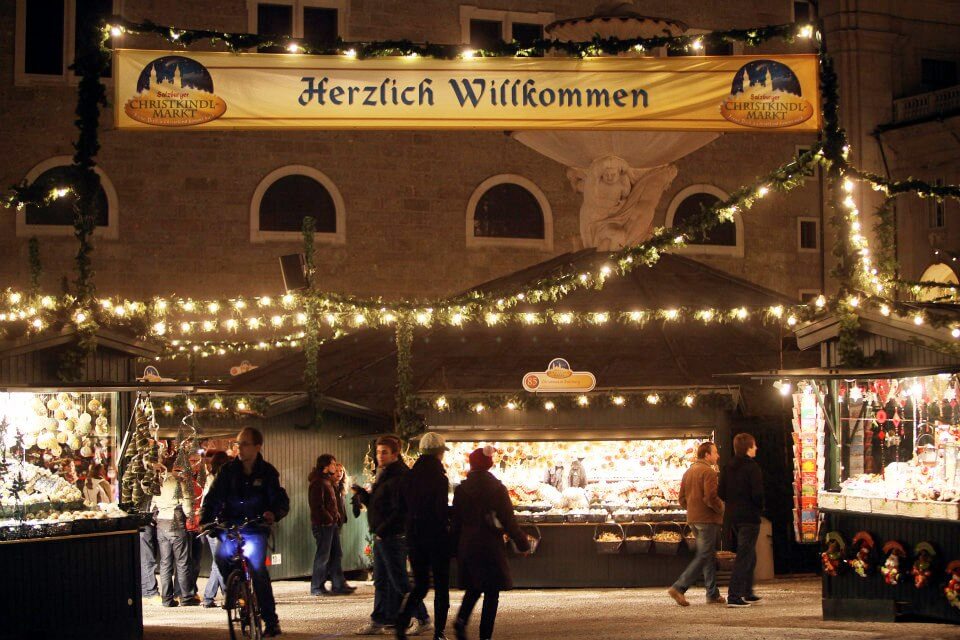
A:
x,y
791,609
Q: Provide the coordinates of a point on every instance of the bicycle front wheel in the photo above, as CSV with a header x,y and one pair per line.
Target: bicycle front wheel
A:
x,y
243,612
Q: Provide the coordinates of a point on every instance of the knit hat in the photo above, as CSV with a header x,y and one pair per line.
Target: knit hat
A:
x,y
482,459
433,442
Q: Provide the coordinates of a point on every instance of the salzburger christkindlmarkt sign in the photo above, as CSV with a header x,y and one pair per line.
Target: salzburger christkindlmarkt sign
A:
x,y
163,90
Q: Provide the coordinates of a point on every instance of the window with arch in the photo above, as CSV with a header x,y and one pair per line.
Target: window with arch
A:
x,y
509,210
288,195
938,272
725,238
56,217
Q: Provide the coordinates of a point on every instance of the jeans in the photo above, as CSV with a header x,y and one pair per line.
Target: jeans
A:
x,y
741,579
195,548
424,560
705,559
390,580
255,551
324,536
148,561
338,581
174,558
488,615
215,582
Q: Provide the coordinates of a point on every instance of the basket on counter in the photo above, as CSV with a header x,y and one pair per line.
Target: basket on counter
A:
x,y
578,518
638,538
690,537
725,560
523,517
608,538
622,517
533,537
667,538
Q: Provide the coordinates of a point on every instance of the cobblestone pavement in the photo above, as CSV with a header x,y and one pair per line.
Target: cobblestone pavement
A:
x,y
791,609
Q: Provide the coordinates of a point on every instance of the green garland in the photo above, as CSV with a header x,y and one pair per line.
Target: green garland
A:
x,y
885,232
311,339
409,422
239,42
36,267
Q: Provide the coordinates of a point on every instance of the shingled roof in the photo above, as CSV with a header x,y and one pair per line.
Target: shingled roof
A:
x,y
361,367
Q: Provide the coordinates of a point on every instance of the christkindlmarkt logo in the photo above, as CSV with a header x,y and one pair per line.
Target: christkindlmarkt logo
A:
x,y
175,91
559,378
766,94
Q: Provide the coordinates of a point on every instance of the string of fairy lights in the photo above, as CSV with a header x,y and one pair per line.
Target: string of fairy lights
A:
x,y
480,403
189,326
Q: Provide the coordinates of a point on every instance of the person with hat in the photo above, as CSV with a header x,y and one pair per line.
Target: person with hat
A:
x,y
428,535
482,515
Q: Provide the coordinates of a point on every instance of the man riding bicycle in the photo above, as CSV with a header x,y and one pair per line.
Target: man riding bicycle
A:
x,y
245,489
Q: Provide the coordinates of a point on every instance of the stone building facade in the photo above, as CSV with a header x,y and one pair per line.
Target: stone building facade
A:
x,y
180,201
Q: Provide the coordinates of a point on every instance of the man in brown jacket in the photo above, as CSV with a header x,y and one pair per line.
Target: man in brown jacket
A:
x,y
698,495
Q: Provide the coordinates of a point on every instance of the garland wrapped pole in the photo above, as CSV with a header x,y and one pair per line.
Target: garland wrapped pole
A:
x,y
409,422
311,338
91,96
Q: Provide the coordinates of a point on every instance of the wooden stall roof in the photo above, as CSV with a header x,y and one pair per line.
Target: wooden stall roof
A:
x,y
361,367
34,361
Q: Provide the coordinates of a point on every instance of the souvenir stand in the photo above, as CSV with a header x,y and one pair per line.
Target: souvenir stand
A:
x,y
888,471
596,489
70,555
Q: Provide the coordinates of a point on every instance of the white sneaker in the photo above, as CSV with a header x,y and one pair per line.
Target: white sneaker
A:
x,y
417,627
371,629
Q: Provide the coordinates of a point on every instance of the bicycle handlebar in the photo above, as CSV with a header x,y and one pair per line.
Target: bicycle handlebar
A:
x,y
216,525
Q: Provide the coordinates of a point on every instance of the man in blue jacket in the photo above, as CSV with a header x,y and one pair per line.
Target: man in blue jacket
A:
x,y
741,489
246,488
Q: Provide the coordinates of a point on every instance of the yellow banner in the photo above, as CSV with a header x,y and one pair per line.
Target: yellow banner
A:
x,y
185,90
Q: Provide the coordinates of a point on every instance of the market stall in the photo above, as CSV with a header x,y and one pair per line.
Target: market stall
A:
x,y
600,512
68,551
888,506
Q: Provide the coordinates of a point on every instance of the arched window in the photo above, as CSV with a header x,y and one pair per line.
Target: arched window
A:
x,y
56,217
509,210
937,272
725,238
288,195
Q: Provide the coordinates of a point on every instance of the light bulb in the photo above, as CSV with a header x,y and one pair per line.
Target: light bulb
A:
x,y
583,401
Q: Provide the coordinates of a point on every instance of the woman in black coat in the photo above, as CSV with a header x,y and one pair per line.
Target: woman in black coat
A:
x,y
482,514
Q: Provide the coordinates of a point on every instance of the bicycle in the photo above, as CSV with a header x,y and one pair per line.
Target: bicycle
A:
x,y
240,599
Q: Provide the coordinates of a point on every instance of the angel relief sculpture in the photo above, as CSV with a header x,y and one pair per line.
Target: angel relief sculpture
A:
x,y
619,202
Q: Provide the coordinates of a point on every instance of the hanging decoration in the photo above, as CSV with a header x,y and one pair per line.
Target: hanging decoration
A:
x,y
924,555
832,557
952,588
891,566
140,480
863,545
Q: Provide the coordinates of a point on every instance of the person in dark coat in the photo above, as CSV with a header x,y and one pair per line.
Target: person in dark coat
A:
x,y
482,514
247,488
741,489
386,516
428,535
324,519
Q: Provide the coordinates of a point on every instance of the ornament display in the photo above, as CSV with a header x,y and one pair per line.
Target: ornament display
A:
x,y
625,480
894,552
922,570
832,557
